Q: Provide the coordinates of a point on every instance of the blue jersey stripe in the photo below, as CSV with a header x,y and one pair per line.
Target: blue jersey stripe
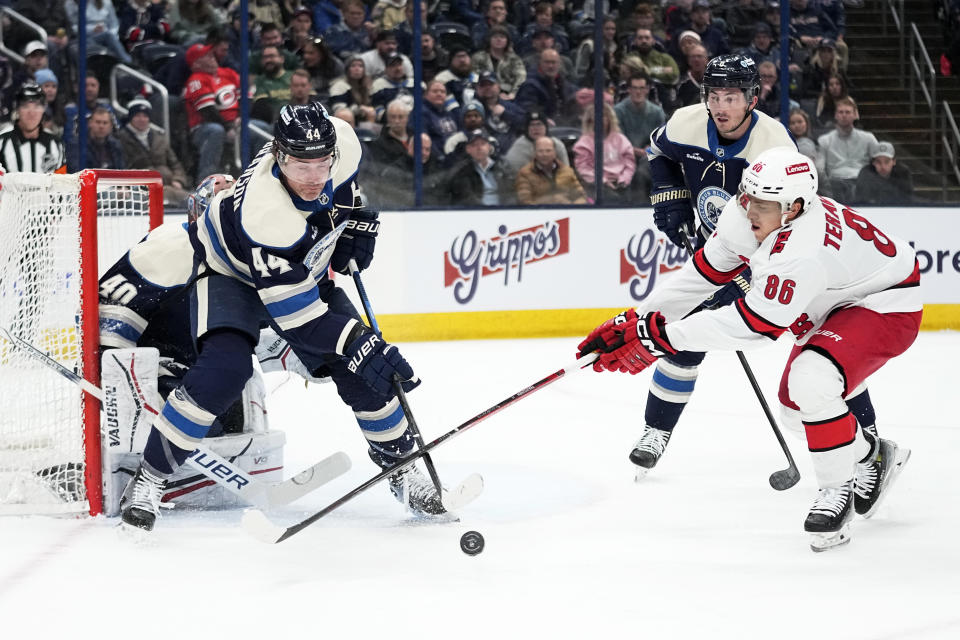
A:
x,y
383,424
293,304
220,250
184,424
673,384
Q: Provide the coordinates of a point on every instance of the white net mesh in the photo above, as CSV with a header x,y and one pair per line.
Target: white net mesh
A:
x,y
42,448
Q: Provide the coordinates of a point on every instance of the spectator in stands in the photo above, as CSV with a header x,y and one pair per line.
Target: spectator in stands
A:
x,y
353,35
547,181
326,13
265,11
810,24
272,86
680,48
146,149
102,26
34,58
395,138
521,151
762,47
212,105
819,67
494,17
834,90
802,129
142,22
301,91
676,16
769,98
638,118
583,61
387,14
844,151
548,92
352,91
433,58
543,20
191,20
441,116
543,40
498,57
103,150
644,16
272,36
688,91
385,48
299,29
24,144
742,18
835,11
459,79
504,118
92,100
711,36
225,41
54,116
322,66
479,181
660,66
404,30
391,85
49,14
619,162
471,119
883,181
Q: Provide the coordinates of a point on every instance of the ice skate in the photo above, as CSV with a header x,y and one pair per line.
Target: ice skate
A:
x,y
875,476
648,449
829,519
416,491
140,503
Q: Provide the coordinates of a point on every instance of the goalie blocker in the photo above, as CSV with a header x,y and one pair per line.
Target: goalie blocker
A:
x,y
130,404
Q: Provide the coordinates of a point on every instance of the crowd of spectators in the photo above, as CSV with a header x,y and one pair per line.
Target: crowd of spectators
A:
x,y
508,93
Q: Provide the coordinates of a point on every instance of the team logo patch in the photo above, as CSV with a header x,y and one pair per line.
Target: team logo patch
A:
x,y
800,167
324,198
710,203
719,152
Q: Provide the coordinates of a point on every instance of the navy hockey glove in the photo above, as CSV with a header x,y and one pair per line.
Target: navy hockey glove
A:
x,y
672,211
357,241
730,292
377,362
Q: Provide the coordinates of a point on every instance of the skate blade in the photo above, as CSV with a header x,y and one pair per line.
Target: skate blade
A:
x,y
903,455
134,535
640,474
820,542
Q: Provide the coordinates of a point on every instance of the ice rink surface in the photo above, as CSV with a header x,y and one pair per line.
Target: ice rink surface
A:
x,y
702,548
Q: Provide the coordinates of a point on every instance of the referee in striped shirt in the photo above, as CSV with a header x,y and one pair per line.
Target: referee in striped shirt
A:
x,y
24,144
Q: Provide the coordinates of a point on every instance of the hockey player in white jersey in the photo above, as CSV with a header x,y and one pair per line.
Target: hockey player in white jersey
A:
x,y
697,160
849,294
262,253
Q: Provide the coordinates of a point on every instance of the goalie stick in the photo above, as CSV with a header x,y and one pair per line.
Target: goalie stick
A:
x,y
212,465
784,478
470,488
259,526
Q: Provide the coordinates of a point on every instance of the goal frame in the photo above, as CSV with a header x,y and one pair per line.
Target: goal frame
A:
x,y
90,180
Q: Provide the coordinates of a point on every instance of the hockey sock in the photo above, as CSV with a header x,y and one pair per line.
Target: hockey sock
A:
x,y
387,432
670,390
161,456
862,409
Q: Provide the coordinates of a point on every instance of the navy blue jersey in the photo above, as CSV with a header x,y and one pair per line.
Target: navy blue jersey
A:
x,y
686,151
261,234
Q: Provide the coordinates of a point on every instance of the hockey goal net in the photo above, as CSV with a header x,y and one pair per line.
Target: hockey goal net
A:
x,y
57,234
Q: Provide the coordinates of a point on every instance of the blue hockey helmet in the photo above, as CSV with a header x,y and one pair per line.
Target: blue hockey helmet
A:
x,y
733,71
304,131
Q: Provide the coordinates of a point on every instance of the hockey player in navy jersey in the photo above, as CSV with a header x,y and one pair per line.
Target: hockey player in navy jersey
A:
x,y
697,160
262,251
846,292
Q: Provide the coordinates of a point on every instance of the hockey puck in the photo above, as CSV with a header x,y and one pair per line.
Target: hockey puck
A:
x,y
471,543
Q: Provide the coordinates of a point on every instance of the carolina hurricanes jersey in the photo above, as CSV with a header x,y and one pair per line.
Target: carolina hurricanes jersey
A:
x,y
262,234
687,151
828,258
221,90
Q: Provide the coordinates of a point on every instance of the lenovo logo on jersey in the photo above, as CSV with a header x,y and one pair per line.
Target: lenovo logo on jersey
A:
x,y
800,167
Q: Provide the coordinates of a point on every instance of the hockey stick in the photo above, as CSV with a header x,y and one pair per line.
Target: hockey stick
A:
x,y
471,487
210,464
785,478
257,524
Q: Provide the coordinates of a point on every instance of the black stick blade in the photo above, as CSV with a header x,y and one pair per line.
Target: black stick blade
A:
x,y
783,480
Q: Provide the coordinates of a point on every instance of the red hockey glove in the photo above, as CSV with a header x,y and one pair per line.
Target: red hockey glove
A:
x,y
641,344
600,338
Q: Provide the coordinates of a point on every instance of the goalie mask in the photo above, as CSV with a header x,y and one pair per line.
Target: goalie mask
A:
x,y
782,175
200,198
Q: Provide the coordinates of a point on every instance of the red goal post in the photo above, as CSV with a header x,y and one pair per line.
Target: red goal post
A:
x,y
58,233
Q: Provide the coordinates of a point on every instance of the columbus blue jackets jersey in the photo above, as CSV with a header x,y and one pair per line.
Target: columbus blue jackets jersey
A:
x,y
263,235
686,151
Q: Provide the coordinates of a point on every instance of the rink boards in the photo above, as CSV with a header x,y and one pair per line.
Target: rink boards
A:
x,y
558,272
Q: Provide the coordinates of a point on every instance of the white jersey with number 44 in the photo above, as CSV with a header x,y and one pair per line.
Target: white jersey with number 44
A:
x,y
828,258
